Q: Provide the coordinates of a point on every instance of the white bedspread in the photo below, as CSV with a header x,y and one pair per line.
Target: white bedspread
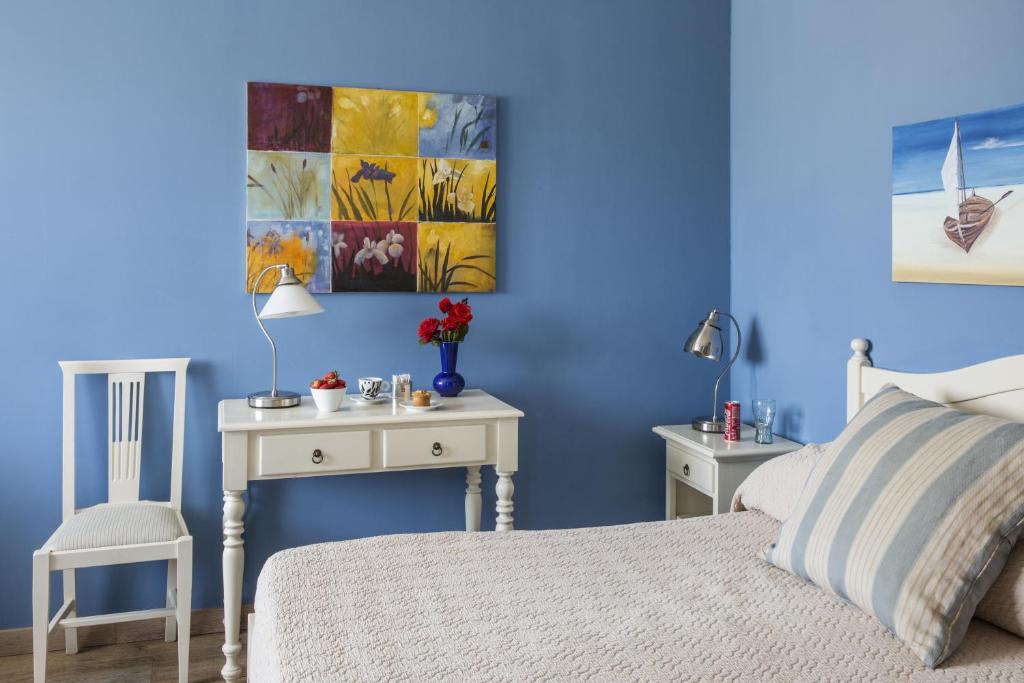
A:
x,y
664,601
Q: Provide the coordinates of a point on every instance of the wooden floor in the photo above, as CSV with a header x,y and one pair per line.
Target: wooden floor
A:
x,y
149,661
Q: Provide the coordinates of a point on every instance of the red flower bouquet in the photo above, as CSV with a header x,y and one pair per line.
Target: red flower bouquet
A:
x,y
452,327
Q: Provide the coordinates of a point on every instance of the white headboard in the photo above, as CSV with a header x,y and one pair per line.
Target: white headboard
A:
x,y
995,387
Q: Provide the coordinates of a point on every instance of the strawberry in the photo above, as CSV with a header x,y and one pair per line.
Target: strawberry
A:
x,y
328,381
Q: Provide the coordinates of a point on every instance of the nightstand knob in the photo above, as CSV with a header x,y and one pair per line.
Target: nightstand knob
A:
x,y
436,450
686,470
318,456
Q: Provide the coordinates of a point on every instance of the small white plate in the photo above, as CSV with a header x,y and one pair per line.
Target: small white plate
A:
x,y
359,400
436,403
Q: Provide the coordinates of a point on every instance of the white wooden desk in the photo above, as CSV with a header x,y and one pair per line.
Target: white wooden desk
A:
x,y
470,431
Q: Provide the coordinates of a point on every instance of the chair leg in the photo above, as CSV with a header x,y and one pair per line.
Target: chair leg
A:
x,y
70,634
170,624
184,610
40,613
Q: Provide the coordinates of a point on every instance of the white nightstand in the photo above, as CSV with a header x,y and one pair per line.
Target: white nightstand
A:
x,y
702,471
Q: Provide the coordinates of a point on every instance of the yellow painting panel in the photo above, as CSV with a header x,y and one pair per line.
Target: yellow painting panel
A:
x,y
458,190
382,122
426,115
456,257
373,188
295,244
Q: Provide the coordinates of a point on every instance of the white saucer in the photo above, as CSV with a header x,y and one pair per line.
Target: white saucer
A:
x,y
359,400
421,409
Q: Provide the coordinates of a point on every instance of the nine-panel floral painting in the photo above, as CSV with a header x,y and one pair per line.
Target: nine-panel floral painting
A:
x,y
363,190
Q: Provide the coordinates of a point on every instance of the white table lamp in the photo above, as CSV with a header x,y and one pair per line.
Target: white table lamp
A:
x,y
290,299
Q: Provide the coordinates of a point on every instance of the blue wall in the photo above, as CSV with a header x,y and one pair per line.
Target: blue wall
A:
x,y
816,89
121,167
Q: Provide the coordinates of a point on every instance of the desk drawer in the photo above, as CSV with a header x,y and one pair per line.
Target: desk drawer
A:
x,y
434,445
283,454
692,469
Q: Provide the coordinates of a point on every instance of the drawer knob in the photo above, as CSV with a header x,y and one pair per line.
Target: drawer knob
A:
x,y
436,449
686,470
318,456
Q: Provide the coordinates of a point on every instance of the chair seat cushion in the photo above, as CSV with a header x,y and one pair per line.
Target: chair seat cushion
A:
x,y
114,524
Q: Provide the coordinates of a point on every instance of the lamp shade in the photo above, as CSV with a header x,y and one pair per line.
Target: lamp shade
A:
x,y
290,301
706,340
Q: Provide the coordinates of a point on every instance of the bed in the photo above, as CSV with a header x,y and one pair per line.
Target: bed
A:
x,y
680,600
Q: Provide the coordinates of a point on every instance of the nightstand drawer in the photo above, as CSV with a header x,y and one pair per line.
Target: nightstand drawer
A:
x,y
434,445
284,454
690,468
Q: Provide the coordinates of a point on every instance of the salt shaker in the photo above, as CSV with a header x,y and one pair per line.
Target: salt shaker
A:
x,y
401,388
396,390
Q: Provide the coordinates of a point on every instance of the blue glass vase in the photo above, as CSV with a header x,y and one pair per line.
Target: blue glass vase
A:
x,y
448,382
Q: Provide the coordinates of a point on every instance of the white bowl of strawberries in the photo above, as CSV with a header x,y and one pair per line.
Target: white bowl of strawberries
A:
x,y
328,391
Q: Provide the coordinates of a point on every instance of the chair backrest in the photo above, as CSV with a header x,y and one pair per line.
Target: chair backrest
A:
x,y
126,391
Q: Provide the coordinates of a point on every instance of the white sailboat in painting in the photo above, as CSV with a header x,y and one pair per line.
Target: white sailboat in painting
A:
x,y
972,212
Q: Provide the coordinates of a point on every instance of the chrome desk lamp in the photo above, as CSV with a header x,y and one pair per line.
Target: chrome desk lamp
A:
x,y
706,342
290,299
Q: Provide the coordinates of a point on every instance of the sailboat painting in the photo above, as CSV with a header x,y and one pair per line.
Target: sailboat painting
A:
x,y
958,199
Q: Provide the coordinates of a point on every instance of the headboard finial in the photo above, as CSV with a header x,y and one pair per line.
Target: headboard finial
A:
x,y
857,362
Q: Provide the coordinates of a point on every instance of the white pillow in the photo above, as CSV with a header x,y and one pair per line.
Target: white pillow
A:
x,y
1003,605
774,487
910,515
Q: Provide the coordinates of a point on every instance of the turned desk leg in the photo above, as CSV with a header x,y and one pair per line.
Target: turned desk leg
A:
x,y
670,497
234,556
473,505
504,490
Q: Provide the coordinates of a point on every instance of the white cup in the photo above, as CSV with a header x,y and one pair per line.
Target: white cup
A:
x,y
327,400
370,387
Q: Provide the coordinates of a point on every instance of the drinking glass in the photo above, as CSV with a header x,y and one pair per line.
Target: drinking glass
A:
x,y
764,416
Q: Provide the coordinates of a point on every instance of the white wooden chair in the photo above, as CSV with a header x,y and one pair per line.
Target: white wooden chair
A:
x,y
124,529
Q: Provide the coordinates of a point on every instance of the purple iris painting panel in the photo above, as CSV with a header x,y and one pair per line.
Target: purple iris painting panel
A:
x,y
458,126
373,256
295,118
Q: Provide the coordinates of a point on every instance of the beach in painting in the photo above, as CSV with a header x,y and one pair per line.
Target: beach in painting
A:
x,y
921,252
939,168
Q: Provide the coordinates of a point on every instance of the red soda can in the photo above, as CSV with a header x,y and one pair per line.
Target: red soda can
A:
x,y
732,420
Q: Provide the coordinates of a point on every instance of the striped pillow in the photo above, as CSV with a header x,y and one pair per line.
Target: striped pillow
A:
x,y
910,515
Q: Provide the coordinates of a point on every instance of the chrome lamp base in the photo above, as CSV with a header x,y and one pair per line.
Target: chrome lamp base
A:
x,y
709,425
270,399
